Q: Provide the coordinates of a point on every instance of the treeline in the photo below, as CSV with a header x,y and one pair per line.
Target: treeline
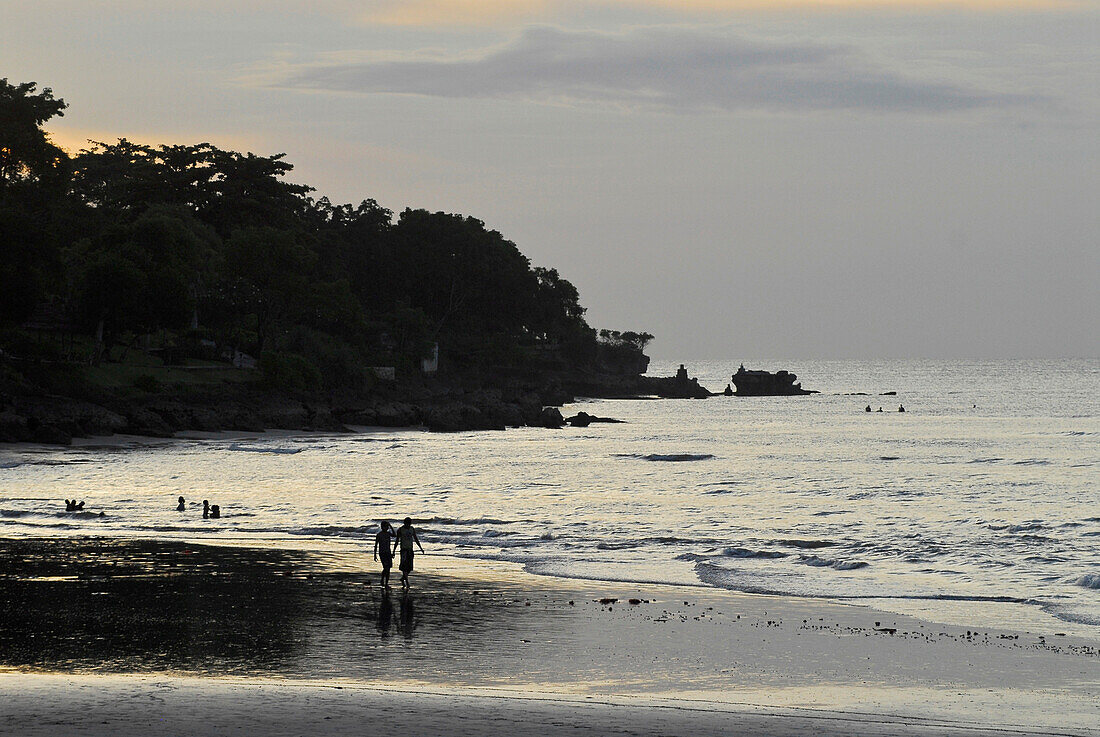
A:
x,y
214,254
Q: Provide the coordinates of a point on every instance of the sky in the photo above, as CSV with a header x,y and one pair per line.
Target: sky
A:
x,y
741,178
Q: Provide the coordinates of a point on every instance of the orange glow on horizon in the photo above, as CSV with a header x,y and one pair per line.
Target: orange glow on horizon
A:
x,y
481,12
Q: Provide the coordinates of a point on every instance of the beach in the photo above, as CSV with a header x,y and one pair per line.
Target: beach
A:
x,y
113,636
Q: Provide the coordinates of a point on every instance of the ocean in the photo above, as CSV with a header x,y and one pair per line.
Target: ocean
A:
x,y
978,504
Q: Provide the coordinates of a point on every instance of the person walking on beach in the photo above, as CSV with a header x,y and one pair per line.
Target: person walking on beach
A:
x,y
383,545
406,536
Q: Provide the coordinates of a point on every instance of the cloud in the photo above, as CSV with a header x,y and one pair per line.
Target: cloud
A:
x,y
671,69
450,13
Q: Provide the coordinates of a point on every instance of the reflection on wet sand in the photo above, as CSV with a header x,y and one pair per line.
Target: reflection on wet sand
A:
x,y
385,614
408,616
143,606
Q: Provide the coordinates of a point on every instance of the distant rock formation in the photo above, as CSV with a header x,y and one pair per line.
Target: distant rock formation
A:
x,y
680,386
583,419
751,383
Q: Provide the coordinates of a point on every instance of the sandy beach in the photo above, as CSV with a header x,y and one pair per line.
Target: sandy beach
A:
x,y
105,636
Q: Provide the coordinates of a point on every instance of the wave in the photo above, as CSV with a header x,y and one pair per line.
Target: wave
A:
x,y
1089,581
1032,462
670,457
262,449
746,553
47,462
807,544
836,564
719,577
1029,526
474,521
629,545
20,513
986,460
889,458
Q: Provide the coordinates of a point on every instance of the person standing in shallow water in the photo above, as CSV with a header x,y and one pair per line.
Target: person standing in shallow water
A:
x,y
182,506
406,536
383,545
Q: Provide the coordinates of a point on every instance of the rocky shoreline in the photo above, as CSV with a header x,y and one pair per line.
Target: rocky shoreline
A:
x,y
480,403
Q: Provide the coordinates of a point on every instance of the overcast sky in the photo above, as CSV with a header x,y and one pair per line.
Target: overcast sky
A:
x,y
742,178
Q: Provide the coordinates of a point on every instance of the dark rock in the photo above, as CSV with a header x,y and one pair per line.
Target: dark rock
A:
x,y
583,419
360,417
751,383
320,417
74,416
141,421
680,386
455,417
550,417
51,434
13,428
285,414
396,414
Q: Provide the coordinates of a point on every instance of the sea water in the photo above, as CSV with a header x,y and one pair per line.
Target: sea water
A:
x,y
980,503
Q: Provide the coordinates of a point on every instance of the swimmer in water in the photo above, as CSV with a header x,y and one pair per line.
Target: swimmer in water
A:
x,y
205,509
182,505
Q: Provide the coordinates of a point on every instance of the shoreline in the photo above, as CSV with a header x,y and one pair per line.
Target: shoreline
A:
x,y
319,617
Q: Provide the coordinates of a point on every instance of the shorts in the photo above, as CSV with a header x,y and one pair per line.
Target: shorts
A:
x,y
386,561
406,561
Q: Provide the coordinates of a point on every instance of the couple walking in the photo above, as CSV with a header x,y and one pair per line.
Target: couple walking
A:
x,y
386,543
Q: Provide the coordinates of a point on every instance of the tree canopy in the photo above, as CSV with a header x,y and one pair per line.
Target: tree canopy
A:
x,y
216,250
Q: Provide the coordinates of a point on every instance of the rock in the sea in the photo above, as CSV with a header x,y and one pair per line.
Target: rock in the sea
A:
x,y
454,417
680,386
583,419
751,383
550,417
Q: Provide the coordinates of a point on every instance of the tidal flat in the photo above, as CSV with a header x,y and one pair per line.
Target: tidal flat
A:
x,y
132,632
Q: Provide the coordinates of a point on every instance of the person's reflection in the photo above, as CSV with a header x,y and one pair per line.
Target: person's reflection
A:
x,y
385,614
408,617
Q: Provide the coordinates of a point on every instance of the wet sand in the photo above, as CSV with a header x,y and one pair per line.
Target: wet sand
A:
x,y
106,636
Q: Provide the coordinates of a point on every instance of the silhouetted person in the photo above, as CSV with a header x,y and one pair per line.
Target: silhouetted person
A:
x,y
406,536
901,408
70,505
182,506
205,509
868,408
78,507
880,409
215,511
383,545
